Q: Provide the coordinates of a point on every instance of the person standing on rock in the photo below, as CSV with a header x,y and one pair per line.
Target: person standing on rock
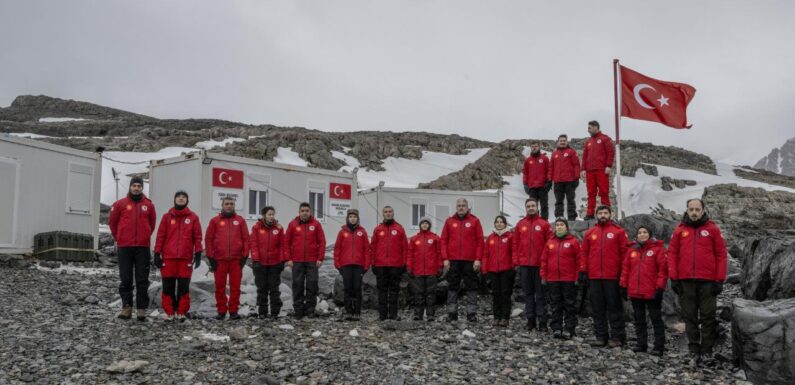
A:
x,y
565,173
530,235
424,264
462,251
561,261
178,250
306,248
351,258
388,256
268,254
603,249
537,178
597,164
644,275
132,221
227,244
697,267
498,266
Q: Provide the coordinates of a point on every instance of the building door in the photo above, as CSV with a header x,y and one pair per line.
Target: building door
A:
x,y
9,190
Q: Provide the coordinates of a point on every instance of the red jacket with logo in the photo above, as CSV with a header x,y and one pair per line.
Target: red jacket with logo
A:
x,y
645,269
498,255
530,235
536,171
306,241
179,235
603,249
424,256
697,253
131,222
462,238
267,243
352,247
561,260
565,165
389,245
598,153
227,238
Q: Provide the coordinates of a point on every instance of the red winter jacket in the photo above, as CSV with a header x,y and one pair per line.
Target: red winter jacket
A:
x,y
227,238
530,235
645,269
697,253
179,235
561,260
306,241
267,243
389,245
462,238
598,153
603,249
352,247
536,171
497,255
424,256
565,165
131,222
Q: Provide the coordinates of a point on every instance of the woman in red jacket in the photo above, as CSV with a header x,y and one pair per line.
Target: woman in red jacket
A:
x,y
351,258
643,277
560,264
498,265
424,263
268,256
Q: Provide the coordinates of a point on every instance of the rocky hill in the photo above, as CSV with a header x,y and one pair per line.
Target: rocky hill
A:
x,y
780,160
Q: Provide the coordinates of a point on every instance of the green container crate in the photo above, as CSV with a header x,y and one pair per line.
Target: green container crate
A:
x,y
63,246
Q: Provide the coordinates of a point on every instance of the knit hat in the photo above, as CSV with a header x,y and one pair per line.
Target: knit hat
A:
x,y
564,221
426,219
181,192
352,212
136,179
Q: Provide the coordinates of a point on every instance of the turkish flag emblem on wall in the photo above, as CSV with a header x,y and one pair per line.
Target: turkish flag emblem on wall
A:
x,y
340,191
654,100
224,177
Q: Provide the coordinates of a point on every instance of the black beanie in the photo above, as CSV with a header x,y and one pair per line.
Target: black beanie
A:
x,y
181,192
136,179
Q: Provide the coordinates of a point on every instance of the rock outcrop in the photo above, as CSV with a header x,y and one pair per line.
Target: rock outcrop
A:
x,y
763,340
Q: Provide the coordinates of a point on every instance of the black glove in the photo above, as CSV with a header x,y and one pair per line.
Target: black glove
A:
x,y
676,286
243,262
526,188
717,288
543,282
547,186
583,278
213,264
197,260
658,295
158,262
623,292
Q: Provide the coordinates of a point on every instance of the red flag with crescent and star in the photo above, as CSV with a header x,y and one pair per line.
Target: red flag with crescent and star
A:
x,y
340,191
654,100
227,178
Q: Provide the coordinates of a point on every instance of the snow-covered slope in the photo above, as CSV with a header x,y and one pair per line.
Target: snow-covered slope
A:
x,y
126,163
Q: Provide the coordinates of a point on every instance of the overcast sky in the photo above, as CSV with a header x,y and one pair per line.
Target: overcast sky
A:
x,y
486,69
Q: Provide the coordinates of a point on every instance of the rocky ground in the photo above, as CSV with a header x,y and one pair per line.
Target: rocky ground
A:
x,y
58,326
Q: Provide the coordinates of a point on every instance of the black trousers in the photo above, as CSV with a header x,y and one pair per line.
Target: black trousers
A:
x,y
566,189
268,279
387,281
535,305
424,288
352,283
542,195
175,288
134,264
698,309
462,276
606,307
501,290
639,307
562,300
305,287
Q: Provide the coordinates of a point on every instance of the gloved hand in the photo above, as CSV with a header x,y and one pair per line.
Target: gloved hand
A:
x,y
717,288
213,264
548,186
658,295
158,262
526,188
623,293
243,262
676,286
197,260
543,282
582,279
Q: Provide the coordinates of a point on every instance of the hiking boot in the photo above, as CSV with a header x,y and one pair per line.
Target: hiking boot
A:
x,y
169,318
180,318
557,334
531,325
615,344
234,316
472,318
639,349
452,317
220,316
125,313
598,343
657,352
141,314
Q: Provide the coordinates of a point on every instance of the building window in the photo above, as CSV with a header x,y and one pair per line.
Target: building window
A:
x,y
317,200
418,210
256,201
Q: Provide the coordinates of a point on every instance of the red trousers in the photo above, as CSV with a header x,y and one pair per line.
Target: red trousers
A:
x,y
234,272
176,275
597,183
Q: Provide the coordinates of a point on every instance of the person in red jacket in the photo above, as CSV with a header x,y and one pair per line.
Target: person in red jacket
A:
x,y
537,177
597,163
560,262
178,250
498,266
267,261
462,251
697,267
226,245
132,221
603,249
306,248
424,264
644,275
565,173
388,256
351,258
530,235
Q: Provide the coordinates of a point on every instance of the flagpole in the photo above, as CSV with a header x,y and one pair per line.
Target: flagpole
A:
x,y
617,101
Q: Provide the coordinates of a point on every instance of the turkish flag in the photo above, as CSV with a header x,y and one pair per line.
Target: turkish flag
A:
x,y
654,100
224,177
340,191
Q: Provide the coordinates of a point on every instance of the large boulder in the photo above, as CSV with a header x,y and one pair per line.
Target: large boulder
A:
x,y
763,341
768,266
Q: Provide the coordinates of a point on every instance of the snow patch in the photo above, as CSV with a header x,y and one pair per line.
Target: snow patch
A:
x,y
214,337
59,120
28,135
286,155
78,270
210,144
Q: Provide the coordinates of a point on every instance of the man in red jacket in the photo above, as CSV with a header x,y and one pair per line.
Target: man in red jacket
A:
x,y
565,173
388,256
132,221
306,248
462,251
226,245
597,163
267,262
530,235
537,177
697,268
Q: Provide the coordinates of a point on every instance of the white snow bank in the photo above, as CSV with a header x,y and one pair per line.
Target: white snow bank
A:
x,y
59,120
288,156
210,144
28,135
